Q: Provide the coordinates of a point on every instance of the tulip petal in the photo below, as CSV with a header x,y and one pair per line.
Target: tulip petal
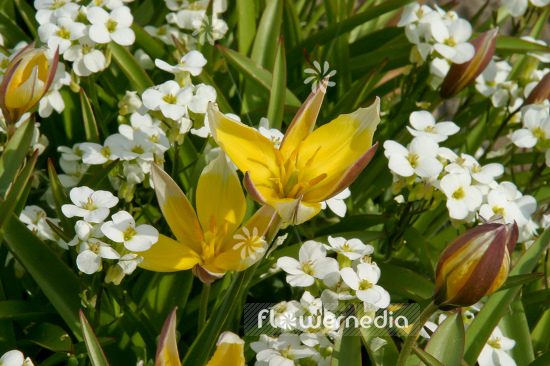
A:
x,y
168,255
247,245
334,147
304,121
167,351
230,351
246,147
219,195
176,208
295,211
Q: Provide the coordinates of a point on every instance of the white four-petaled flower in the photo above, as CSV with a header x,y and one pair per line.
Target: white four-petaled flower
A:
x,y
364,284
91,205
123,229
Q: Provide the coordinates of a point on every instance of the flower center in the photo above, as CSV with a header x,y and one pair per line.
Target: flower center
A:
x,y
87,49
430,129
90,206
111,25
64,33
539,133
211,240
290,183
287,353
106,151
495,343
170,99
138,149
450,42
307,267
459,194
498,210
346,248
57,4
129,233
94,247
365,285
413,160
161,31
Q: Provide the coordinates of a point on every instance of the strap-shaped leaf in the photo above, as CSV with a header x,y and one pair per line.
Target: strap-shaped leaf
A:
x,y
97,357
131,68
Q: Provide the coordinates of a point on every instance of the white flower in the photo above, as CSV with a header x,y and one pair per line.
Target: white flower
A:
x,y
353,248
113,26
489,81
545,57
52,99
453,40
420,158
204,94
125,266
96,154
286,349
337,204
516,7
86,59
462,198
12,358
494,352
273,134
74,169
191,62
413,13
123,229
61,34
91,205
47,9
164,33
439,67
364,284
313,263
31,215
91,252
169,98
423,124
537,126
507,201
468,164
130,103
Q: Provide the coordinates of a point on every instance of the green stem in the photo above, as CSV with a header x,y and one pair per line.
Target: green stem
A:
x,y
204,305
413,335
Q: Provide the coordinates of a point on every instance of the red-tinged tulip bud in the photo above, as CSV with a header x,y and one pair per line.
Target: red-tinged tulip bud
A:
x,y
167,351
27,78
540,93
462,75
474,265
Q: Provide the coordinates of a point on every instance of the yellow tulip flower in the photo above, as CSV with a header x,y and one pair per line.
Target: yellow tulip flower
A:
x,y
309,167
209,240
27,78
229,351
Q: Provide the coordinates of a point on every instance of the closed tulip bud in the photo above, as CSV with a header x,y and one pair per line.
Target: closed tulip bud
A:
x,y
540,92
474,264
462,75
27,79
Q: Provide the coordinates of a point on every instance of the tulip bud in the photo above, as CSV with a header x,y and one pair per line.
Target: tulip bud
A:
x,y
540,92
462,75
474,264
27,78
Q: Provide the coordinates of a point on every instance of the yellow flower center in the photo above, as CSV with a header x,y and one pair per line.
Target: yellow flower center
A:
x,y
539,133
211,240
450,42
290,183
138,149
365,285
307,267
495,343
161,31
94,247
129,233
111,25
498,210
413,160
106,151
346,248
286,353
170,99
429,129
459,194
64,33
57,4
89,205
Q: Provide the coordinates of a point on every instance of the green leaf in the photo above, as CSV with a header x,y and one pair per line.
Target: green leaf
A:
x,y
24,310
269,29
14,154
153,47
50,336
60,199
56,280
131,68
426,358
510,45
278,86
247,24
447,342
327,34
515,323
96,180
255,73
347,351
404,282
11,31
513,281
97,357
28,13
539,335
90,125
488,318
543,360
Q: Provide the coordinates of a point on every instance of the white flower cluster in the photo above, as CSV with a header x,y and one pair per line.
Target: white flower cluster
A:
x,y
15,358
435,173
535,131
35,219
309,338
352,276
81,31
92,234
437,35
494,351
518,7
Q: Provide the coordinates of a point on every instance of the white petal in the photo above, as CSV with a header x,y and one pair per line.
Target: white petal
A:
x,y
124,36
111,231
88,262
350,277
290,265
421,120
524,138
401,166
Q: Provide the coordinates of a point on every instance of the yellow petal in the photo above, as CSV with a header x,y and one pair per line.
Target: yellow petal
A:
x,y
247,245
248,149
304,121
219,195
176,208
168,255
230,351
332,148
295,211
26,94
167,351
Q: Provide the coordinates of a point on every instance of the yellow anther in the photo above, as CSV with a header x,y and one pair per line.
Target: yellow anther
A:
x,y
294,154
278,156
317,180
198,230
212,224
310,161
